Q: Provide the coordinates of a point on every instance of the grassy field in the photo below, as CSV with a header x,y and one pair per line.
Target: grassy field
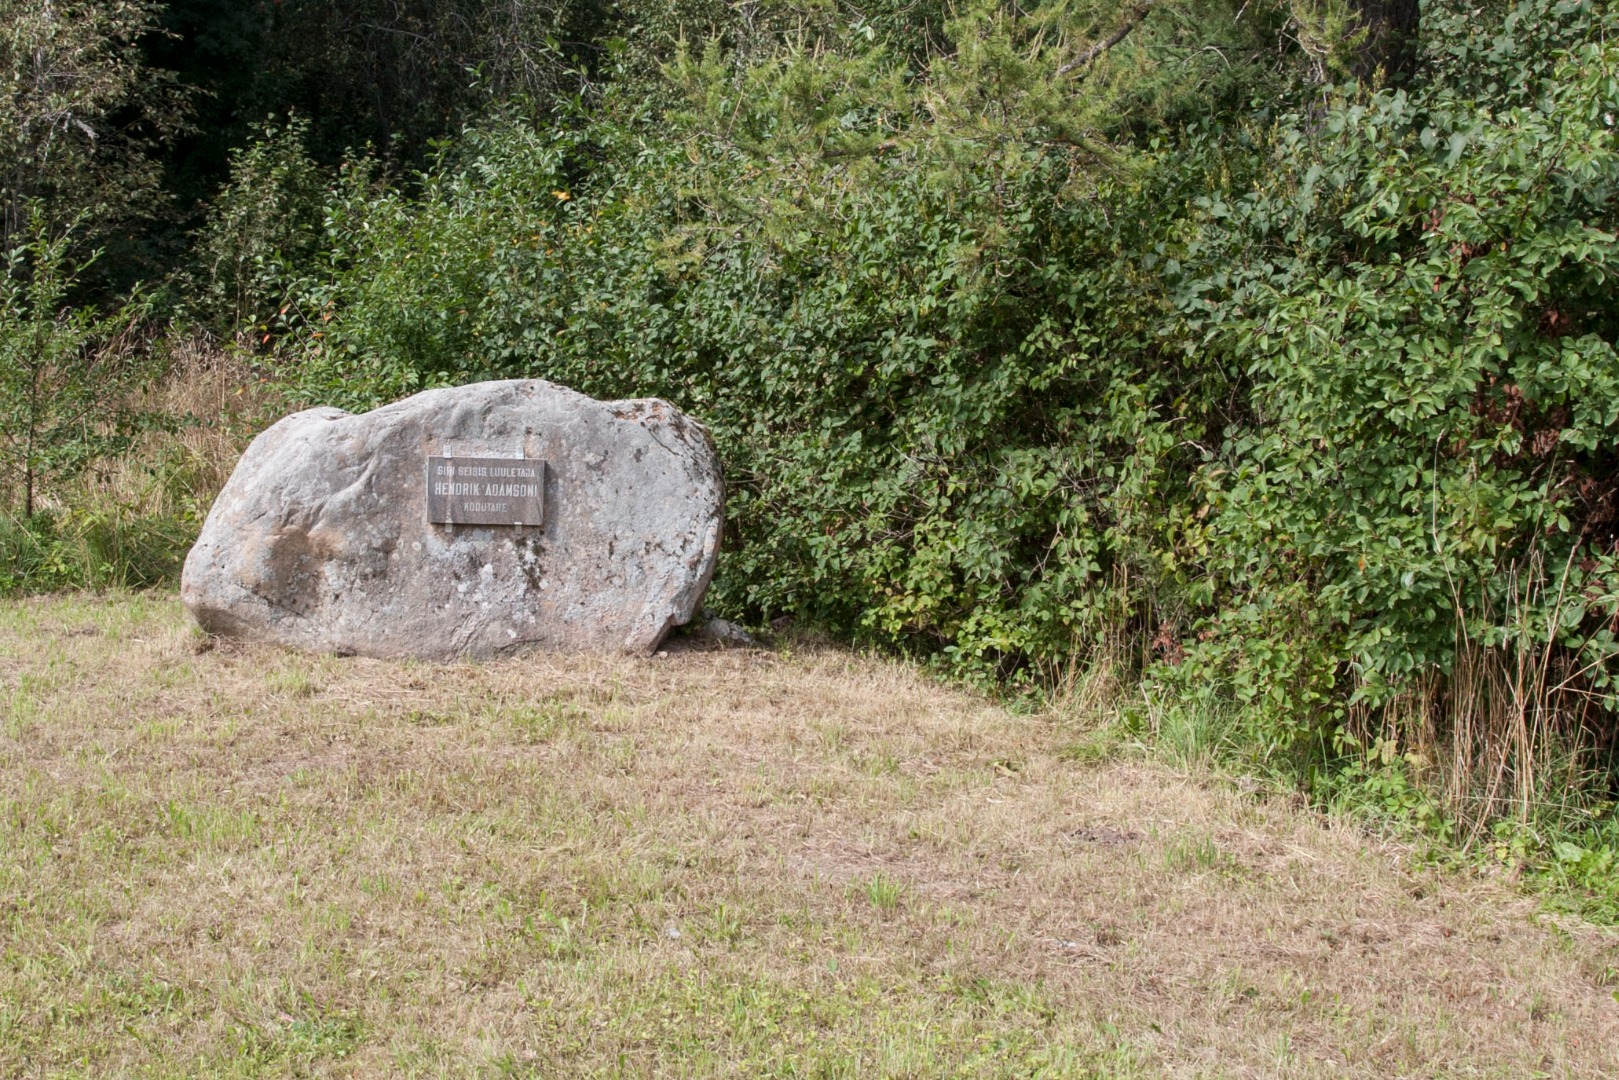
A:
x,y
218,860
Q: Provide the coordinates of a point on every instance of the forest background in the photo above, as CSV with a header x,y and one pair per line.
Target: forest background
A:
x,y
1253,361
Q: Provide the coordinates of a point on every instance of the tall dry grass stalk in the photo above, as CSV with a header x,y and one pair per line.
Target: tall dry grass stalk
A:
x,y
1106,657
1513,731
216,403
226,398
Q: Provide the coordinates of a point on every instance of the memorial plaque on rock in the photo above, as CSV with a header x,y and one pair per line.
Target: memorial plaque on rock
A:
x,y
485,491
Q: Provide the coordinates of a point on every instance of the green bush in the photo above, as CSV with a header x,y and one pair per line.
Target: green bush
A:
x,y
1421,309
957,462
69,375
262,227
99,547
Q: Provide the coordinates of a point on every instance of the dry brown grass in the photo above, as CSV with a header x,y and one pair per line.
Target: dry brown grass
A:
x,y
243,861
1517,728
222,399
216,404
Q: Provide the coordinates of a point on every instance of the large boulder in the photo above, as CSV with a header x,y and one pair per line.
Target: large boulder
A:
x,y
464,522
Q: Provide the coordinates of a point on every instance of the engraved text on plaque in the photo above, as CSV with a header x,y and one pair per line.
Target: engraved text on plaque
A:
x,y
485,491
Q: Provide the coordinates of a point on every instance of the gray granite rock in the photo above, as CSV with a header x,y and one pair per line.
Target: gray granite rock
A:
x,y
321,539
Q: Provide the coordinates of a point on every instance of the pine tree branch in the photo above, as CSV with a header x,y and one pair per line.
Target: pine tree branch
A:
x,y
1085,59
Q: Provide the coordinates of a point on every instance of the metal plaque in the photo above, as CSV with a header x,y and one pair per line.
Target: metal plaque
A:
x,y
485,491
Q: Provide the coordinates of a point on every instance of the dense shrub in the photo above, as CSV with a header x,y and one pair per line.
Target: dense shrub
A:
x,y
1416,513
932,434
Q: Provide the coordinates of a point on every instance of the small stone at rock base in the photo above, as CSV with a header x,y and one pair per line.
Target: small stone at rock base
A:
x,y
723,632
322,539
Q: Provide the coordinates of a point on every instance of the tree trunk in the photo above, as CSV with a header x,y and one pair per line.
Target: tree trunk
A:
x,y
1391,45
